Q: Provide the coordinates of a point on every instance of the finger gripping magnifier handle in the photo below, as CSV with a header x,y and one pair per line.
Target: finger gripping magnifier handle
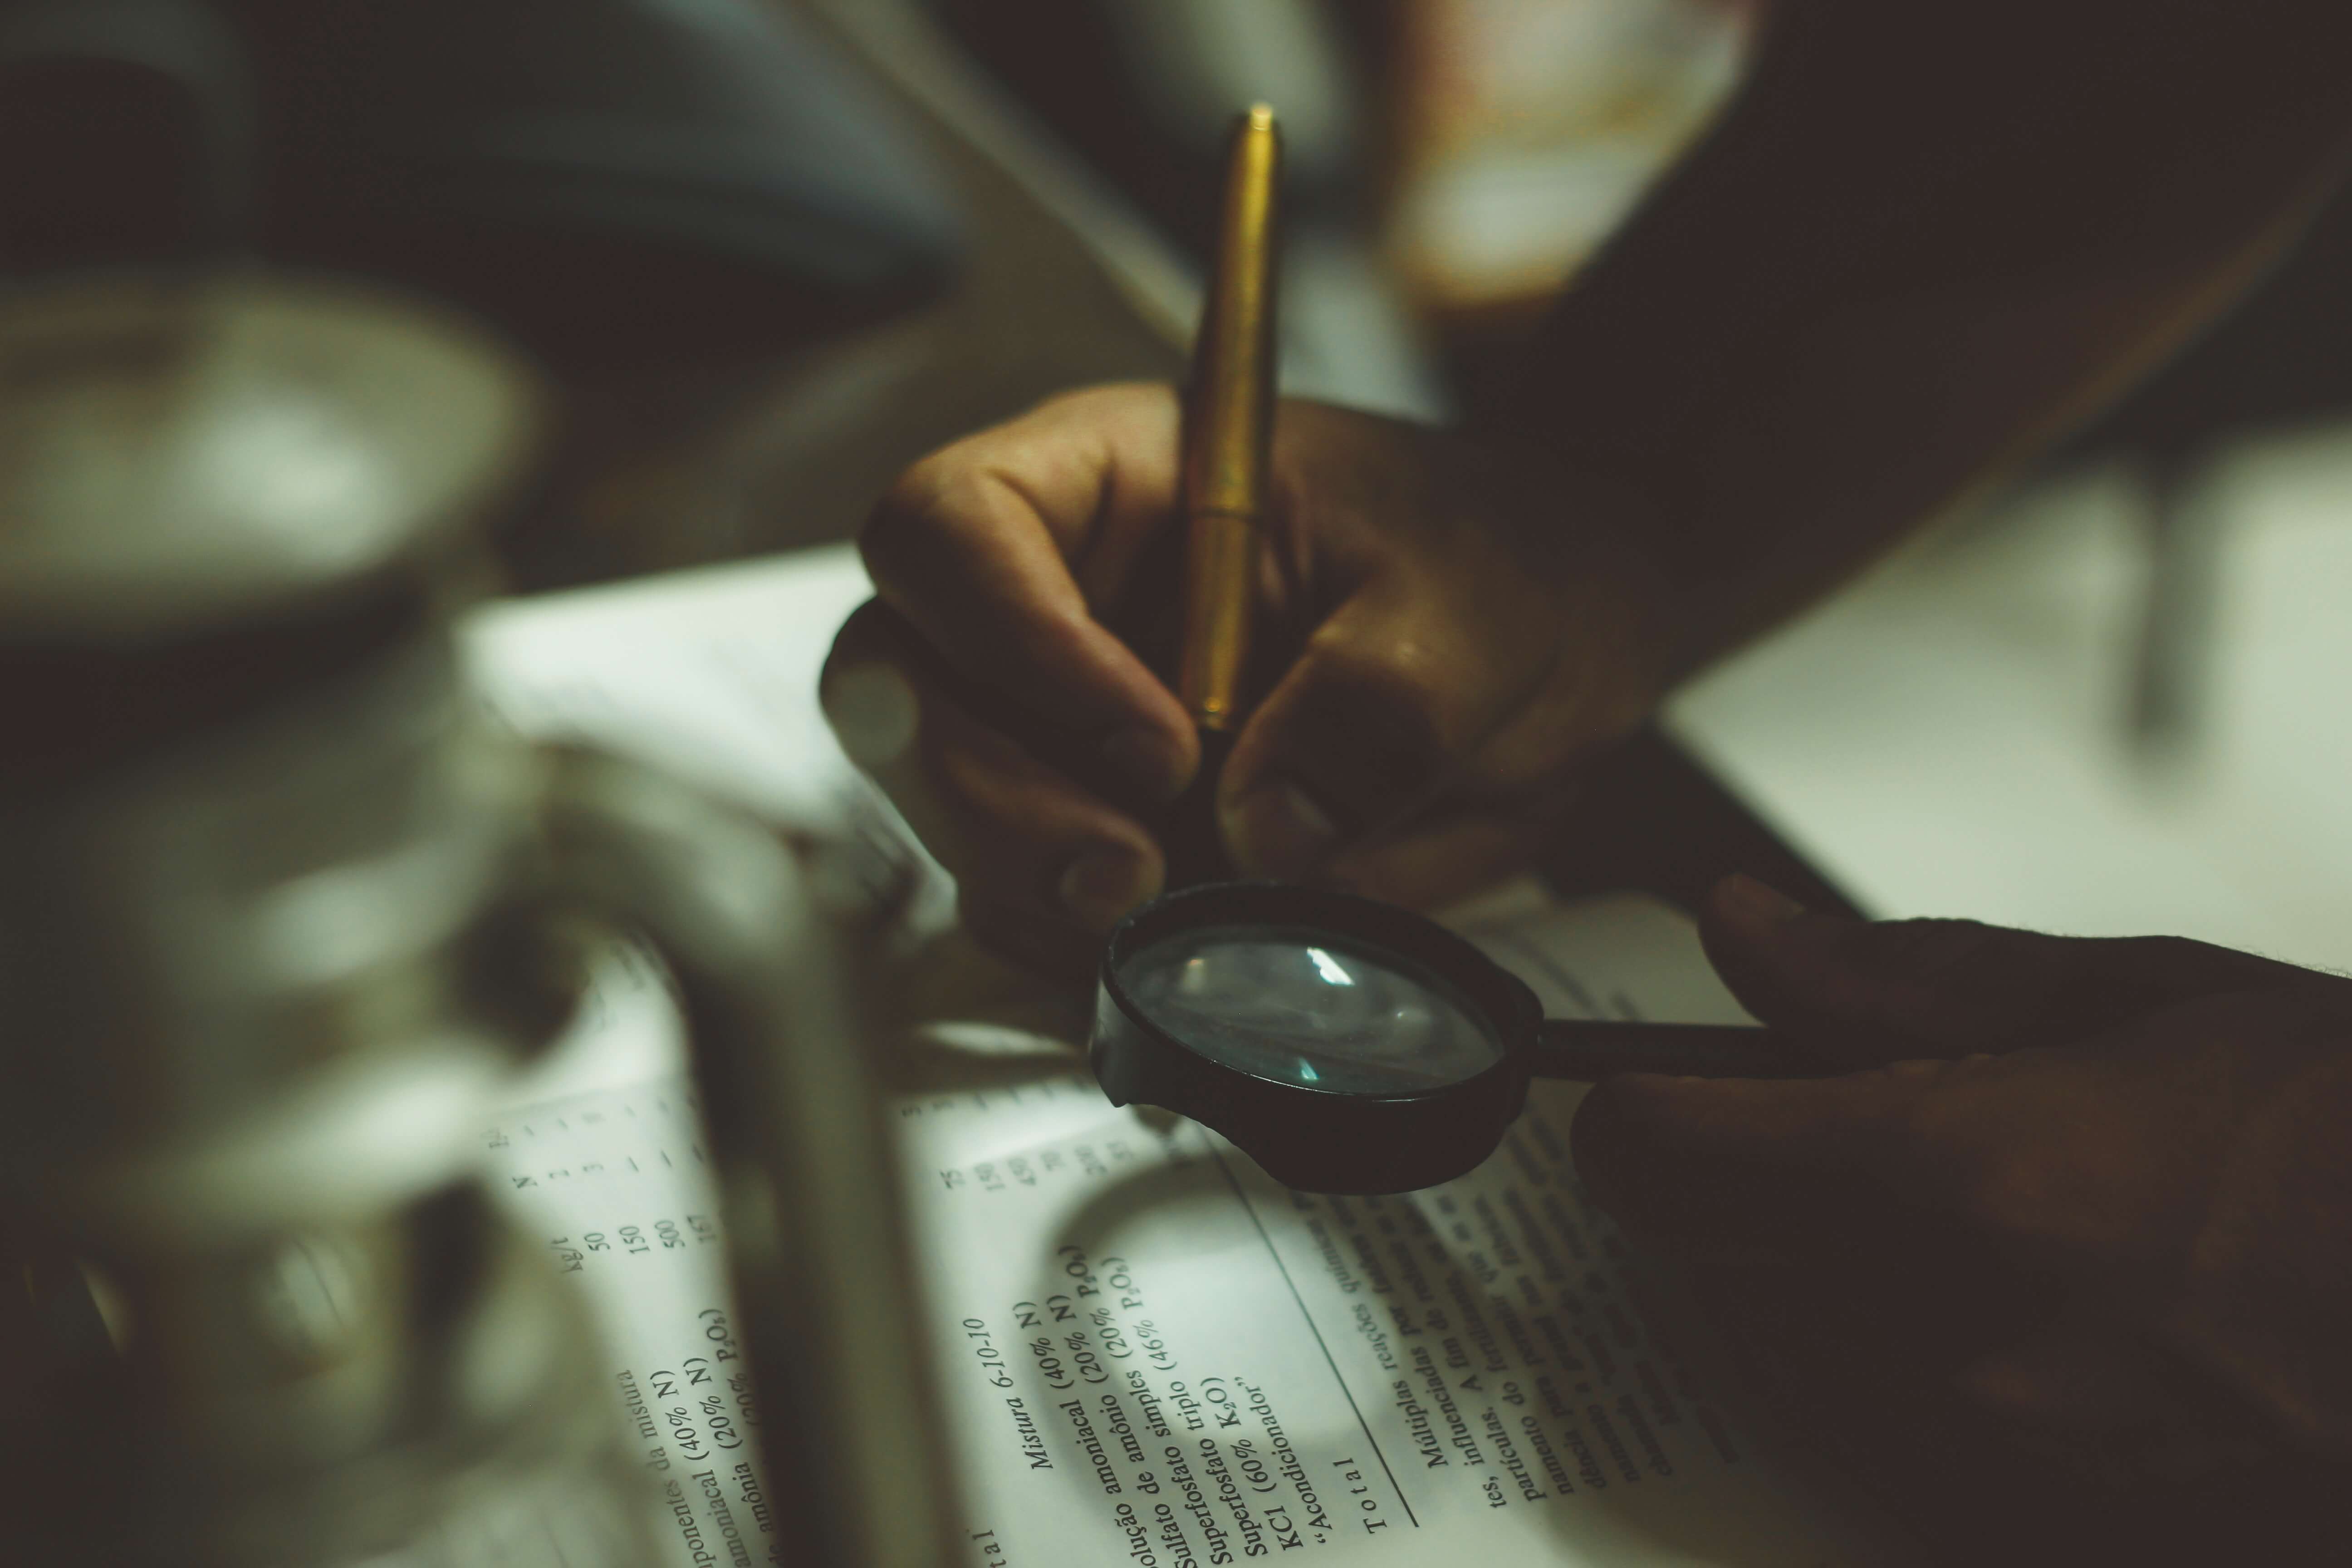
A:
x,y
1589,1049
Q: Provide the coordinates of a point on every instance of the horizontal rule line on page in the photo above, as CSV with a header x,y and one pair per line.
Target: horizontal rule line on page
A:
x,y
1345,1392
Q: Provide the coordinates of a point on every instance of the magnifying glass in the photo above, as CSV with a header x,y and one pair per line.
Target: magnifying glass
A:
x,y
1352,1047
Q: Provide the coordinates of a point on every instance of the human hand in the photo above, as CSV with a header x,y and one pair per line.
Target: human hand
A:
x,y
2085,1201
1447,631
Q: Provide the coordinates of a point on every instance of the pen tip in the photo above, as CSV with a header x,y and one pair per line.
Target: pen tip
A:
x,y
1261,116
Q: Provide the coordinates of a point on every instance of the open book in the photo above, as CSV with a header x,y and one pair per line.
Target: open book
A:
x,y
1152,1352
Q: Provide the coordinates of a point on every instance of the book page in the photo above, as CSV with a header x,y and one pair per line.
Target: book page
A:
x,y
1150,1352
1156,1353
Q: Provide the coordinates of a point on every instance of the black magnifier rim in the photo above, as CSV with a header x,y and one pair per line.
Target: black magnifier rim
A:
x,y
1307,1138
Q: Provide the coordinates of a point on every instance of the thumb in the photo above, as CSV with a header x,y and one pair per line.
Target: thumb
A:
x,y
1880,991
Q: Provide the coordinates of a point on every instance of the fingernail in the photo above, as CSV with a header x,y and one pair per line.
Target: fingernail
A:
x,y
1102,885
1278,830
1758,903
1151,761
873,714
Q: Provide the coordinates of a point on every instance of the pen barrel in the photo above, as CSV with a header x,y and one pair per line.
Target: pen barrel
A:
x,y
1219,563
1229,429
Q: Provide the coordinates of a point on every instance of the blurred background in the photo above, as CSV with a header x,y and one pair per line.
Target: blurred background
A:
x,y
2106,700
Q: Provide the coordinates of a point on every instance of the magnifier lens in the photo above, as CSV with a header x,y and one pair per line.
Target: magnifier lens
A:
x,y
1309,1007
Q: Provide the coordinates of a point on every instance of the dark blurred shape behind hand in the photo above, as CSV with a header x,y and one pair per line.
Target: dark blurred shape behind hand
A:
x,y
658,203
608,180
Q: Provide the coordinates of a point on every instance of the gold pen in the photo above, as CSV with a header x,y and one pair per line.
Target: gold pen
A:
x,y
1228,428
1228,431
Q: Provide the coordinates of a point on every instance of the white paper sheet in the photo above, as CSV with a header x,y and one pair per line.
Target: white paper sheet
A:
x,y
1152,1352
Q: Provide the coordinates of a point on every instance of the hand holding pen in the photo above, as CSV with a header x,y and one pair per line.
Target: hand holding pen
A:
x,y
1444,629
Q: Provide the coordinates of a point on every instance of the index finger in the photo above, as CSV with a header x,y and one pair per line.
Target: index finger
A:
x,y
1001,548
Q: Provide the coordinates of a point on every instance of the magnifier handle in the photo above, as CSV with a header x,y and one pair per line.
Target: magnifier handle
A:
x,y
1589,1049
